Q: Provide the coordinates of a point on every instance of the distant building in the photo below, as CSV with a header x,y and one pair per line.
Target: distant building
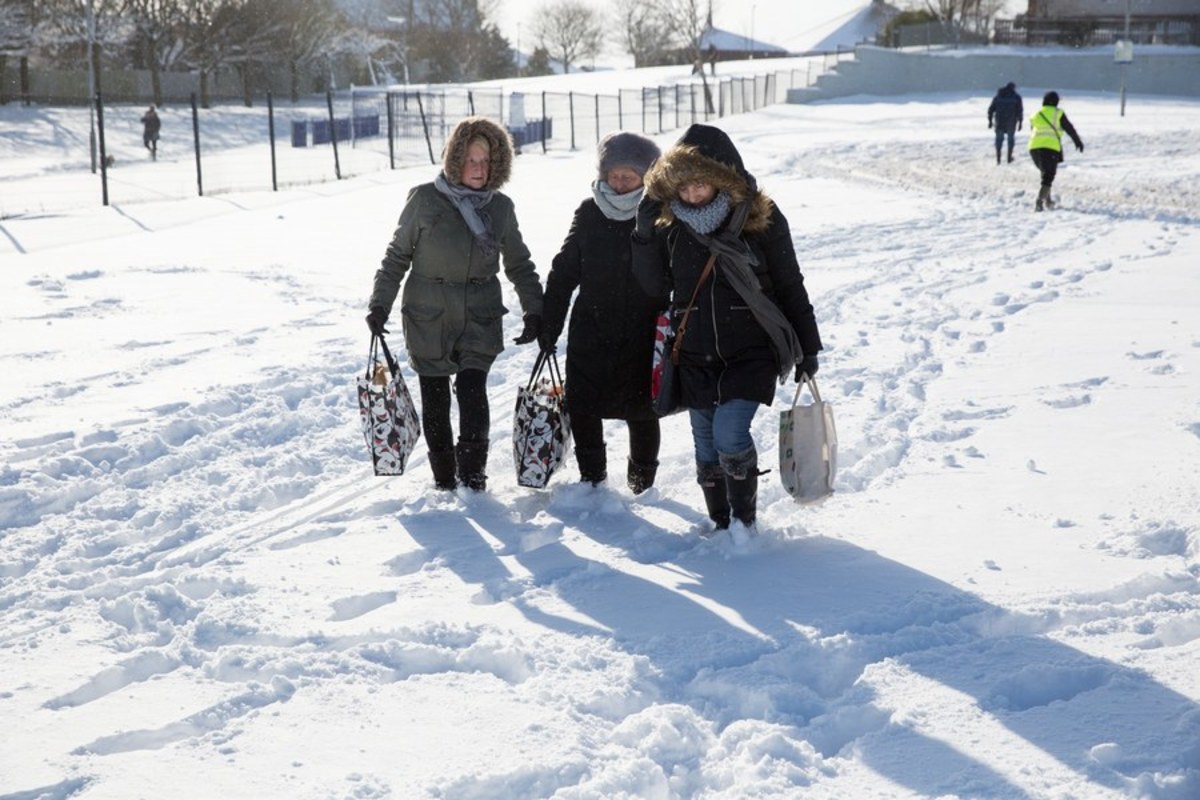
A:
x,y
1092,22
721,45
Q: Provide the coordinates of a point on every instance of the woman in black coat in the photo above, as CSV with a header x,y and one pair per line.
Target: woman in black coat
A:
x,y
752,322
610,341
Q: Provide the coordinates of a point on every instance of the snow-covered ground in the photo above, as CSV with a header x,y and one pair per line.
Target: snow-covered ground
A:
x,y
205,593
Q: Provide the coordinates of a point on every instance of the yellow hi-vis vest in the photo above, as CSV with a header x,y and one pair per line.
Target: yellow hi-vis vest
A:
x,y
1046,127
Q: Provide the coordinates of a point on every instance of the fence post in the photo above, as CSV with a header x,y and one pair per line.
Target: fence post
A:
x,y
596,97
660,93
470,102
620,115
391,119
103,157
271,134
337,165
545,122
425,126
571,110
196,142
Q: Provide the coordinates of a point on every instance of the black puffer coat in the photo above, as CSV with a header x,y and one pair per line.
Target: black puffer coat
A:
x,y
610,342
726,354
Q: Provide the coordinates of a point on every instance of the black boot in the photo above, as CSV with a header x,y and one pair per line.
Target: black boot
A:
x,y
712,482
998,155
443,464
640,477
593,464
1043,196
741,484
472,464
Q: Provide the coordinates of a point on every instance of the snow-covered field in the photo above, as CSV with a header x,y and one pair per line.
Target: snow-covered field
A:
x,y
205,593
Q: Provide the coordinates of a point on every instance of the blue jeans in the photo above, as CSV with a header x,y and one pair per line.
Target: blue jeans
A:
x,y
722,429
1001,136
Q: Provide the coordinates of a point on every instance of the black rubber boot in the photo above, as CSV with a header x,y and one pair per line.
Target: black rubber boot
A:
x,y
443,465
593,464
712,482
741,484
640,477
1043,196
472,465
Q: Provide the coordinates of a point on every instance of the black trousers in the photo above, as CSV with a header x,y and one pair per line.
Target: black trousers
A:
x,y
474,415
644,436
1047,162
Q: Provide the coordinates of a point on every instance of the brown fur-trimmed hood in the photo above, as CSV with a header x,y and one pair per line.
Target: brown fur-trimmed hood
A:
x,y
706,154
499,143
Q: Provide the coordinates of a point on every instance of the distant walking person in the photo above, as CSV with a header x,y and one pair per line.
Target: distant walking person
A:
x,y
1045,144
1005,115
150,127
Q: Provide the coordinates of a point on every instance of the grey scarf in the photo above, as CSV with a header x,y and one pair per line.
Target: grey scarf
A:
x,y
736,260
470,204
615,206
707,218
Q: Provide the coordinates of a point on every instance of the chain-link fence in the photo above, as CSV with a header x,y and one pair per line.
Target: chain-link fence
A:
x,y
363,131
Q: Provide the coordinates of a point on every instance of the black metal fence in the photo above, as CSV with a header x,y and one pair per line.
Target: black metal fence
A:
x,y
237,149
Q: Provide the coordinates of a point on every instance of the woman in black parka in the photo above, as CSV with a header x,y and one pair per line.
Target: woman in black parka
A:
x,y
610,341
752,322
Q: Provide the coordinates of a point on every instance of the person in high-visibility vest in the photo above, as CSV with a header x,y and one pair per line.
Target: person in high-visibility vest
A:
x,y
1046,129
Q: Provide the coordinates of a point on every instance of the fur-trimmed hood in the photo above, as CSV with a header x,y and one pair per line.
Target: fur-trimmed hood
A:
x,y
707,154
499,143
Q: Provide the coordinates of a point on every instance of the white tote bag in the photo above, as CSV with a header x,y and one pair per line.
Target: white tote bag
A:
x,y
541,425
807,446
389,418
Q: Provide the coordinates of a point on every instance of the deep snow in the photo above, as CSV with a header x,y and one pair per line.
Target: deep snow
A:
x,y
205,593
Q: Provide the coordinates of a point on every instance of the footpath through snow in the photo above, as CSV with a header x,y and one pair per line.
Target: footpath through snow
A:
x,y
205,593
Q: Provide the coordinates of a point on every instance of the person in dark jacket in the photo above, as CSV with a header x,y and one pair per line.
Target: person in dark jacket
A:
x,y
1005,115
151,125
446,250
610,341
752,323
1046,129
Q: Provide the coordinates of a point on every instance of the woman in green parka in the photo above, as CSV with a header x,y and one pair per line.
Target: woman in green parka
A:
x,y
449,241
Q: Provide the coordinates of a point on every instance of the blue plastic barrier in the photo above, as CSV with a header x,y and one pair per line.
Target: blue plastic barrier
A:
x,y
320,131
299,133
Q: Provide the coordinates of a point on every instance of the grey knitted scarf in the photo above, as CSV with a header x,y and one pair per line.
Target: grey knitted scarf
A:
x,y
736,262
706,218
615,206
470,204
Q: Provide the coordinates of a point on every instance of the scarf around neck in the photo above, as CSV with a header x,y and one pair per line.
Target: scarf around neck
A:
x,y
736,262
618,207
470,204
704,219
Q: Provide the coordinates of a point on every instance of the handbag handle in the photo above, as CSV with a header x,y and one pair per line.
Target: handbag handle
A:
x,y
545,358
377,342
687,313
805,378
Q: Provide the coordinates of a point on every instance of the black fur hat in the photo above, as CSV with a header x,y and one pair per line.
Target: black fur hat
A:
x,y
625,149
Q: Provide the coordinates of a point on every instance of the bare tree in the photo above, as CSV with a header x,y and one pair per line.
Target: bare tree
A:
x,y
690,19
971,15
157,26
16,40
645,32
570,29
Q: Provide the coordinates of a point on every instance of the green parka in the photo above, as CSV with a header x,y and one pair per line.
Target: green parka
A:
x,y
452,307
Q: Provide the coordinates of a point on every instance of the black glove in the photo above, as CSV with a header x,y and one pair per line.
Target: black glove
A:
x,y
807,366
647,212
1079,147
989,124
546,342
533,326
376,320
1018,124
